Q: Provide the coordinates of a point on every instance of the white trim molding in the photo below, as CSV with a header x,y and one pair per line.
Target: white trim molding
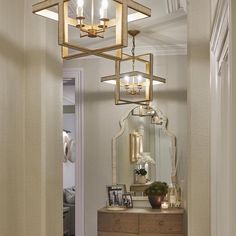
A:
x,y
220,27
77,74
172,50
220,121
176,5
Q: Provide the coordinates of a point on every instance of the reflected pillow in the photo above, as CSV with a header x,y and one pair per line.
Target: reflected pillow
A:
x,y
70,196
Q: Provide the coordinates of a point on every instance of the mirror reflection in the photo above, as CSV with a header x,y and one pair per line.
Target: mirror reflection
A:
x,y
144,150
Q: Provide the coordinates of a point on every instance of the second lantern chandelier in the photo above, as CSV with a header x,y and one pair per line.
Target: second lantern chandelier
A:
x,y
133,83
134,78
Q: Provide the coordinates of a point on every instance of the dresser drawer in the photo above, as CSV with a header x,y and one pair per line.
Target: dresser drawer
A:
x,y
118,223
161,224
160,234
115,234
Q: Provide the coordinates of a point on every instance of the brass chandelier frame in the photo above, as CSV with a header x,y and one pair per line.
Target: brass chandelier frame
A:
x,y
120,22
148,75
147,59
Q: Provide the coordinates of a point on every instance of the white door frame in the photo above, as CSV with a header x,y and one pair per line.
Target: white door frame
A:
x,y
220,120
77,74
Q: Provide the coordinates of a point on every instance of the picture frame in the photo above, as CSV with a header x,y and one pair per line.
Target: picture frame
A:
x,y
127,200
115,193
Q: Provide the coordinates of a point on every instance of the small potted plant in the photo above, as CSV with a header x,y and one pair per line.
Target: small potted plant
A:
x,y
156,192
141,175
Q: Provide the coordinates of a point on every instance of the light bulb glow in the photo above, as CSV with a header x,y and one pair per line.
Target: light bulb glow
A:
x,y
80,10
133,85
103,9
104,4
80,3
140,78
92,13
133,80
101,13
126,79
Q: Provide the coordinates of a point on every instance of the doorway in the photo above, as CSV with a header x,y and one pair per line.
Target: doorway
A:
x,y
73,165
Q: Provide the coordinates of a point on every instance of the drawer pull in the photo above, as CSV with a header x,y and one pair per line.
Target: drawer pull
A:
x,y
161,223
117,221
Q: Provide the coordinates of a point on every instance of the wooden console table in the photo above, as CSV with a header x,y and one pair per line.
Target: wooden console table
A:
x,y
141,222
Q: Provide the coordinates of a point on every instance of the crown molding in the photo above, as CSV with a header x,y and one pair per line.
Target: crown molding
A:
x,y
173,50
220,27
176,5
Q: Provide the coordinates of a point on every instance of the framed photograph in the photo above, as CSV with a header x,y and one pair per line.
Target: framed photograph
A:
x,y
127,200
115,193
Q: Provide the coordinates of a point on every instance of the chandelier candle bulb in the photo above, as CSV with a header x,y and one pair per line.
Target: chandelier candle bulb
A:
x,y
92,14
101,16
140,80
104,9
105,13
80,8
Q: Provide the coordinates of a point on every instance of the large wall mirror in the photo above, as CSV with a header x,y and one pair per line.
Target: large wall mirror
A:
x,y
143,142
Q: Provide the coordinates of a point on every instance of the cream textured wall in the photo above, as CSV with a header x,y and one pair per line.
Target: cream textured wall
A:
x,y
232,162
12,133
102,123
198,115
213,9
30,123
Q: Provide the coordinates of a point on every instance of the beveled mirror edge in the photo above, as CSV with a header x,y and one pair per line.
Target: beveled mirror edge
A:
x,y
165,129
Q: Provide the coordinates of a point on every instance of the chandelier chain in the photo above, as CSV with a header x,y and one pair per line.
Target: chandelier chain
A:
x,y
133,52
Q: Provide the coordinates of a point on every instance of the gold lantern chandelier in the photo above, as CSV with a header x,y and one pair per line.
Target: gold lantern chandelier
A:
x,y
134,86
105,15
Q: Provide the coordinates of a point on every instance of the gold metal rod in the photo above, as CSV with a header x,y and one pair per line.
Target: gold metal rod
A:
x,y
129,57
137,7
44,5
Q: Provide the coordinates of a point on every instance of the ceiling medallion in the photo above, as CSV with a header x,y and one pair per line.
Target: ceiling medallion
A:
x,y
134,85
114,15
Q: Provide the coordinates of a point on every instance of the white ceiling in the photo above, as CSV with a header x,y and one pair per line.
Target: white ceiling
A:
x,y
164,33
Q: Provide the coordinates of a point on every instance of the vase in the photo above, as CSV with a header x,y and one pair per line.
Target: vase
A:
x,y
156,201
141,179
